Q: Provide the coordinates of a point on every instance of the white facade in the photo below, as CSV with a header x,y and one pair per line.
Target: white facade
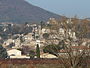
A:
x,y
38,42
45,30
17,42
14,52
61,30
23,56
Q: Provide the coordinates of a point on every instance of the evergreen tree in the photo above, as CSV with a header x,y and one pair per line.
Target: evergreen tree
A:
x,y
37,51
3,52
41,24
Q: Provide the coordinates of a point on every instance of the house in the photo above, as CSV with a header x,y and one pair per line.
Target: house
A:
x,y
62,31
14,53
47,55
7,42
52,21
75,50
45,30
17,42
63,53
28,36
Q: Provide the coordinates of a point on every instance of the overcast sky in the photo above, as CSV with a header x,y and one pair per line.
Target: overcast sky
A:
x,y
69,8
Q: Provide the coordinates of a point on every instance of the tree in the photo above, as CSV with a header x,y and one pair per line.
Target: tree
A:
x,y
37,51
21,39
74,56
46,35
31,54
3,52
41,23
52,49
25,49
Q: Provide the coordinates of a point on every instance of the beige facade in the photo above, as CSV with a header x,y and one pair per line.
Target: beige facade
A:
x,y
46,55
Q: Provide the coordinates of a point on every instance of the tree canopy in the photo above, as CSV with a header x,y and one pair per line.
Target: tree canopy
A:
x,y
3,52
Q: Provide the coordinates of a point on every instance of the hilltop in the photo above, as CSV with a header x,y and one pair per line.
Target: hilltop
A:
x,y
20,11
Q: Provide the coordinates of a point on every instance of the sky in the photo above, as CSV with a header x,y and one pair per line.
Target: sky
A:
x,y
69,8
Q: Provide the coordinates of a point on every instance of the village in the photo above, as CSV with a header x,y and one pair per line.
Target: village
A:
x,y
23,43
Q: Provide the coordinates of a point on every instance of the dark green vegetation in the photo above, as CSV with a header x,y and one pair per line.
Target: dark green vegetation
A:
x,y
38,51
20,11
52,49
3,52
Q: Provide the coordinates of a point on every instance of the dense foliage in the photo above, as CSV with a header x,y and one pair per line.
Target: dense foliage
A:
x,y
52,49
3,52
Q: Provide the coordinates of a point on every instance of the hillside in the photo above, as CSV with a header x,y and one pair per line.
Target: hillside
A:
x,y
20,11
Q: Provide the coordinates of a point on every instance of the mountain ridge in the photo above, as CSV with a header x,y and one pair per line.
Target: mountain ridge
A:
x,y
20,11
